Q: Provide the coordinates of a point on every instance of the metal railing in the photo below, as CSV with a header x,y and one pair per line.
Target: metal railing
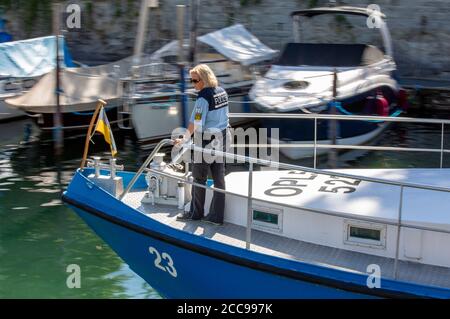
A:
x,y
316,144
252,161
164,142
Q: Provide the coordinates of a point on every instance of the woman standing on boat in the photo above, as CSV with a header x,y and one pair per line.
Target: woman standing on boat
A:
x,y
209,123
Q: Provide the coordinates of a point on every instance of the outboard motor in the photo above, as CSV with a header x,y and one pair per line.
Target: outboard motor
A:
x,y
166,190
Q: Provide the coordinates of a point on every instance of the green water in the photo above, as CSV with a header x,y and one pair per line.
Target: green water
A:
x,y
40,237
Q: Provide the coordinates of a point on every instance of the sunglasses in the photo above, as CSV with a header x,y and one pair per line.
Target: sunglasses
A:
x,y
195,81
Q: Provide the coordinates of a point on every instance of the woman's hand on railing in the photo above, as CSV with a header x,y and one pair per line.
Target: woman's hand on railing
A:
x,y
178,141
181,146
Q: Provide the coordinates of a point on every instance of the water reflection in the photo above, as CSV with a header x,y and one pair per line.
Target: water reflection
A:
x,y
40,237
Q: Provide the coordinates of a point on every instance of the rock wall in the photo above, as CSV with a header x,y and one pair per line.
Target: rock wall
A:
x,y
419,28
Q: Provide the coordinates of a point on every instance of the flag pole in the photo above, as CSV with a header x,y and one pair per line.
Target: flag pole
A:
x,y
100,104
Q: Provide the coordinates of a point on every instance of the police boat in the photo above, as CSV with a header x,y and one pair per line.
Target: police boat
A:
x,y
289,231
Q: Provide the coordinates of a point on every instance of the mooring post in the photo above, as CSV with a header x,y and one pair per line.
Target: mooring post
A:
x,y
58,134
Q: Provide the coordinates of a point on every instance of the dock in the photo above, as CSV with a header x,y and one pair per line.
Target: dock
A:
x,y
429,94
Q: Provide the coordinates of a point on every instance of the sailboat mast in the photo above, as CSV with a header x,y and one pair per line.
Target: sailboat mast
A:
x,y
195,4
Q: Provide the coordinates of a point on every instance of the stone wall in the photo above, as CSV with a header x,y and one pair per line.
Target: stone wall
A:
x,y
419,28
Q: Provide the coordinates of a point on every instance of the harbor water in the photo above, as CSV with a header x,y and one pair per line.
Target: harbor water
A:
x,y
40,238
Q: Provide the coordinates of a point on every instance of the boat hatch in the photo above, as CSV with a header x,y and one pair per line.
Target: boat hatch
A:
x,y
267,219
365,234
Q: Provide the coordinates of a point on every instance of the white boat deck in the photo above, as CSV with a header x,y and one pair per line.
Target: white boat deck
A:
x,y
356,198
275,245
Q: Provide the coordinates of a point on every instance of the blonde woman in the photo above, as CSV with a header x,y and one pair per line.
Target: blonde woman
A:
x,y
209,120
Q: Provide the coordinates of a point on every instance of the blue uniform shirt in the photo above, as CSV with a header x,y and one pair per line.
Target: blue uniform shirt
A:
x,y
211,109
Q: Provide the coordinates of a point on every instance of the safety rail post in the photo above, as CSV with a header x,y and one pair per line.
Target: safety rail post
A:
x,y
333,124
442,145
315,142
142,168
399,224
249,207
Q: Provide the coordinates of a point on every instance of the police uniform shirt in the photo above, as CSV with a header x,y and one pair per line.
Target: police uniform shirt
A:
x,y
211,110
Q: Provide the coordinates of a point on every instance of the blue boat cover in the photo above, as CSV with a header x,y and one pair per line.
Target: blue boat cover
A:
x,y
33,57
5,37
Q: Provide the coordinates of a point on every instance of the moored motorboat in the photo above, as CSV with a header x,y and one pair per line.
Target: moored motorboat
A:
x,y
309,76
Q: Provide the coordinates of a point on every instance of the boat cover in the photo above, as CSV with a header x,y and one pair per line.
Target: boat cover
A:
x,y
32,57
82,86
121,68
79,93
235,43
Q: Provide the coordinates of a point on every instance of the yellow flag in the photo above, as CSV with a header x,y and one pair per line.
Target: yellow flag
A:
x,y
103,127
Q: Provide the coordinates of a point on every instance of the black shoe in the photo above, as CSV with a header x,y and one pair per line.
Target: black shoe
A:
x,y
187,216
206,220
184,216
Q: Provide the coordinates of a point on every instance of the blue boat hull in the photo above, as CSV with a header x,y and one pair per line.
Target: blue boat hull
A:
x,y
303,129
181,265
199,275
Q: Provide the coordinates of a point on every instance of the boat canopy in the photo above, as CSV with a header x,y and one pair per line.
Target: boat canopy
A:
x,y
32,57
239,45
329,54
235,43
346,10
337,10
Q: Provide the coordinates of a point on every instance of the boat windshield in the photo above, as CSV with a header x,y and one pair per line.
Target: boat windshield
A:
x,y
325,54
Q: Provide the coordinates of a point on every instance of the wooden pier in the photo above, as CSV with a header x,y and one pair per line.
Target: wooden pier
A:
x,y
429,94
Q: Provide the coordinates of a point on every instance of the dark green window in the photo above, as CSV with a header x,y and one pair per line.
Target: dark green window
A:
x,y
265,217
365,233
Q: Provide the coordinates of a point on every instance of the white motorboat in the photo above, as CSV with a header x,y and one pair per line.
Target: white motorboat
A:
x,y
303,81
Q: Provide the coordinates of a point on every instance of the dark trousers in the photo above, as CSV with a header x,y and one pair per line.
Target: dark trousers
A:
x,y
200,175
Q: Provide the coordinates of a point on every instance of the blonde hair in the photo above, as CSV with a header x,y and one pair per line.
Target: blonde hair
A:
x,y
205,74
